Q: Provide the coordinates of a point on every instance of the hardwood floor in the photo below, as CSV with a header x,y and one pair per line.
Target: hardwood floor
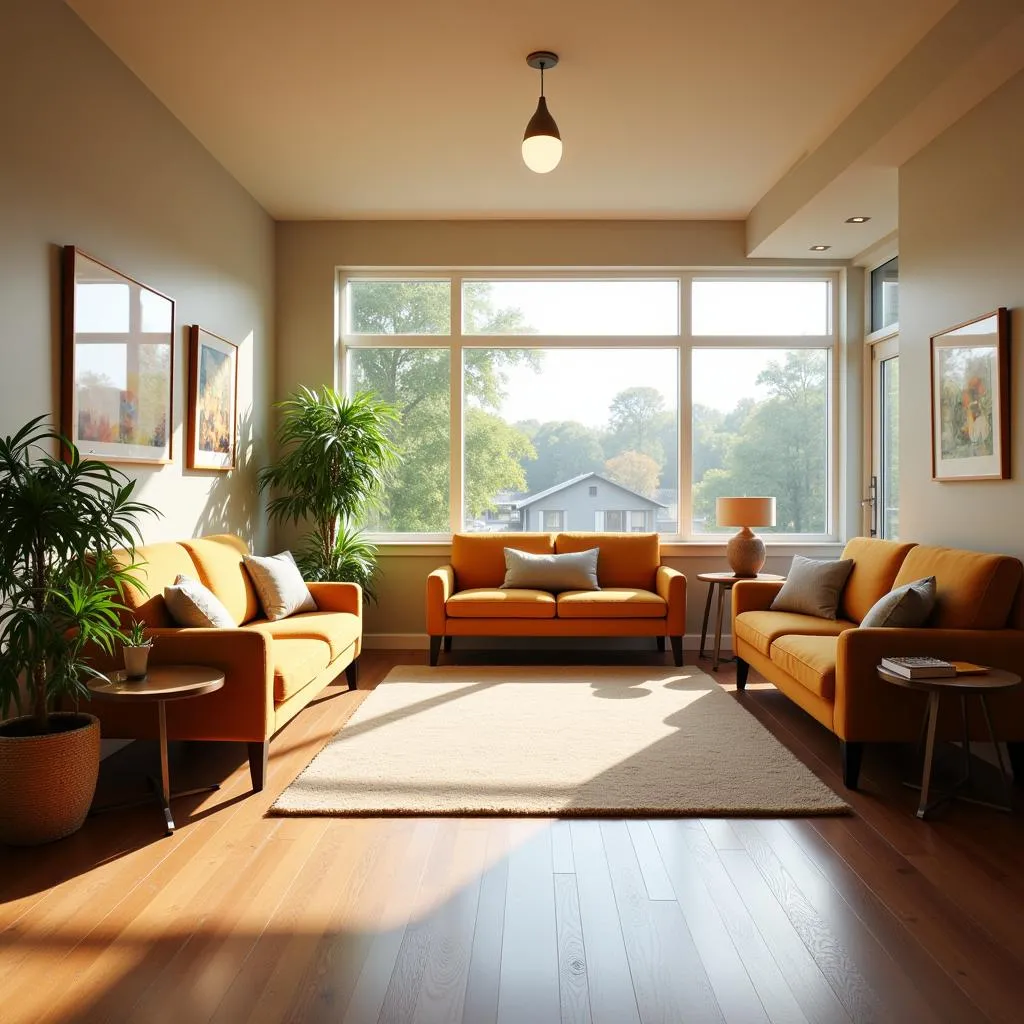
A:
x,y
872,917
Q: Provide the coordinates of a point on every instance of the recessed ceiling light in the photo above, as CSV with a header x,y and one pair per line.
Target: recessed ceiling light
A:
x,y
820,248
857,220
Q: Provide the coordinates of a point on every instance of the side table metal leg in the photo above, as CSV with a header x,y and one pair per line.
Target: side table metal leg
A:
x,y
929,752
722,591
165,773
1003,775
967,738
707,615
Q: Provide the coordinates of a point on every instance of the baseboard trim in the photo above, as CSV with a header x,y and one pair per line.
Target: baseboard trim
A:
x,y
421,642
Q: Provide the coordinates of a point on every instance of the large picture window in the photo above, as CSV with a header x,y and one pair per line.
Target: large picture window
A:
x,y
556,403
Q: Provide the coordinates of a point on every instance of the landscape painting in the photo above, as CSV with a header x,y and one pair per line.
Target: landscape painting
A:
x,y
212,420
970,385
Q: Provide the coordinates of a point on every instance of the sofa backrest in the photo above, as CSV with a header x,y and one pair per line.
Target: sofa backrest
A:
x,y
478,559
219,561
625,559
875,566
975,590
158,567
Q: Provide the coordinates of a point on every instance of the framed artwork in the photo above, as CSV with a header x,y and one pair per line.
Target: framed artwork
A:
x,y
117,357
971,400
212,400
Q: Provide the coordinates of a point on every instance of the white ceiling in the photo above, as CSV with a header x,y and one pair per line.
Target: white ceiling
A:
x,y
415,108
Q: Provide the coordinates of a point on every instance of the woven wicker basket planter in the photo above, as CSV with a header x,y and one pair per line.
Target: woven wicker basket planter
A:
x,y
47,782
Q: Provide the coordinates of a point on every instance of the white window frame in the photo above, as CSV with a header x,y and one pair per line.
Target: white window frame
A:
x,y
682,343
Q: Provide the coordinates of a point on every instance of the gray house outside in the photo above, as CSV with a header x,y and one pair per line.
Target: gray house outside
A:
x,y
589,502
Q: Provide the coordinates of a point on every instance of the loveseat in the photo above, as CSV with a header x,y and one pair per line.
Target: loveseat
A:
x,y
272,670
638,596
829,667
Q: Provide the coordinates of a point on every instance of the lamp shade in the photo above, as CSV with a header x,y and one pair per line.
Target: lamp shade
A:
x,y
542,144
745,511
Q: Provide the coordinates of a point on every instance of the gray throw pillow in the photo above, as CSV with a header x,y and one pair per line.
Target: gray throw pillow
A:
x,y
192,604
554,573
279,585
813,587
906,607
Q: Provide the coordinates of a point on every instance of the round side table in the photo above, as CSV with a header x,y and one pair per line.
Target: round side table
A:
x,y
965,685
724,582
161,684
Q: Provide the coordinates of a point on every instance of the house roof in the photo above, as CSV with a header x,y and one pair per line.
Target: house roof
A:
x,y
579,479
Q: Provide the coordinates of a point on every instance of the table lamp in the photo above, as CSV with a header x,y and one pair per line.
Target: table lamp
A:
x,y
745,550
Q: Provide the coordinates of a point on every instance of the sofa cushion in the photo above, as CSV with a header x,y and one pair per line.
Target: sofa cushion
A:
x,y
576,570
813,587
810,660
494,603
875,565
906,607
478,559
159,565
762,629
624,559
219,561
339,630
296,664
192,604
611,603
973,590
282,590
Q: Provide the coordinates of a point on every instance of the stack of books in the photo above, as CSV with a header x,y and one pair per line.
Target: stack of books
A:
x,y
930,668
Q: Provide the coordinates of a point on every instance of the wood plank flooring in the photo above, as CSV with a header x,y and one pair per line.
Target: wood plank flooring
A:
x,y
243,918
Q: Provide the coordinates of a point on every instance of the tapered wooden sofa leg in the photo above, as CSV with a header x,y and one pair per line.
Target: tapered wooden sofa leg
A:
x,y
1016,752
661,642
447,645
352,674
850,755
259,758
742,668
435,649
677,649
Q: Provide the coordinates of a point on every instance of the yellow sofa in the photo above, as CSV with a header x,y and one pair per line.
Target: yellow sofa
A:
x,y
638,597
829,667
272,670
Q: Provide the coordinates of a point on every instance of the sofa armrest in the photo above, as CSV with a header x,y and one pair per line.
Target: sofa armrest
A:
x,y
753,596
338,597
861,695
440,586
671,587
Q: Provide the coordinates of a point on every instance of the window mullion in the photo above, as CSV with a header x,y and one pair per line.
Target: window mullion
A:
x,y
456,461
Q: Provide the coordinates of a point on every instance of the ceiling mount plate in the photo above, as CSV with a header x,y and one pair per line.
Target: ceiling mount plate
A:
x,y
542,60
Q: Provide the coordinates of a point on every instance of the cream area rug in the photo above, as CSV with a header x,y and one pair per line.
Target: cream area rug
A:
x,y
558,741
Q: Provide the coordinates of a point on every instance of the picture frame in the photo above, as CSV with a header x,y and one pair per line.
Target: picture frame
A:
x,y
970,399
212,433
117,363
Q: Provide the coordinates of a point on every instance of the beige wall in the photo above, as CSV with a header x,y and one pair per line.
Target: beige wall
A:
x,y
89,157
962,255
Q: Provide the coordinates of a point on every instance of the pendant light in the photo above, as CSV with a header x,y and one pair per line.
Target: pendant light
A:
x,y
542,145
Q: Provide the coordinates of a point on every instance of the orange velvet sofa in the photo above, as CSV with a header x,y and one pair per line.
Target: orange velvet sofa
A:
x,y
829,667
272,670
638,597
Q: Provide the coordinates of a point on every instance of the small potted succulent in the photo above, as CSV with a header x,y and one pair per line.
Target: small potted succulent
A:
x,y
136,647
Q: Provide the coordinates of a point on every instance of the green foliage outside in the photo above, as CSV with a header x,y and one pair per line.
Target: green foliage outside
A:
x,y
774,446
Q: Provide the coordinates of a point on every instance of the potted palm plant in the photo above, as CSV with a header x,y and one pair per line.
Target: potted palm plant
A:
x,y
60,596
335,455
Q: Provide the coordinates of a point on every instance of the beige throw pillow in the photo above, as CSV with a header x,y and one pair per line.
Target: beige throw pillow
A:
x,y
813,587
279,585
192,604
576,570
906,607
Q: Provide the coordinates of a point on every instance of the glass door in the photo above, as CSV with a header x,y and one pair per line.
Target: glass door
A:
x,y
884,498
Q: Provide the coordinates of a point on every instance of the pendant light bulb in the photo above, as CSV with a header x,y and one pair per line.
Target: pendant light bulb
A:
x,y
542,143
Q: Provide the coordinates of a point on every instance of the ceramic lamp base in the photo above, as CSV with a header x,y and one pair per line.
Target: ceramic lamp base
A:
x,y
745,552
